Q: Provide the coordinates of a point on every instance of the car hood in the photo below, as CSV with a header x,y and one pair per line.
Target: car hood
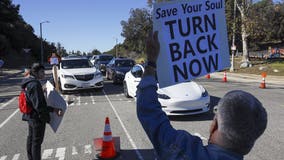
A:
x,y
123,69
188,90
78,71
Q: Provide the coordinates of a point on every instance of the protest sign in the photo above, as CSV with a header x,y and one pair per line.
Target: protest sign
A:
x,y
54,99
54,61
193,39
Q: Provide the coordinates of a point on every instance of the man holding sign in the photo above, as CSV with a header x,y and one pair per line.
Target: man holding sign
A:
x,y
239,120
40,113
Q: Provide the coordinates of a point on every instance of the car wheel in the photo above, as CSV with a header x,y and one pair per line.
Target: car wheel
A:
x,y
114,80
125,90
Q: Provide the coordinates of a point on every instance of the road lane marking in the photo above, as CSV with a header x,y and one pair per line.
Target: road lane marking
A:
x,y
3,157
3,123
74,150
47,154
16,156
88,149
124,128
6,104
60,153
79,100
92,97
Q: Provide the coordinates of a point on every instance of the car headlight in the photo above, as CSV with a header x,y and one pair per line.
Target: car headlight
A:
x,y
204,93
67,76
163,96
118,72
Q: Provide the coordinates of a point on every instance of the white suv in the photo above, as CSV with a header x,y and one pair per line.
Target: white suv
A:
x,y
77,73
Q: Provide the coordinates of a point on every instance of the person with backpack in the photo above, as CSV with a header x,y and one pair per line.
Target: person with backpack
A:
x,y
38,116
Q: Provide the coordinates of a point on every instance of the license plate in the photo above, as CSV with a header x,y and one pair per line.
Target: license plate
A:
x,y
85,85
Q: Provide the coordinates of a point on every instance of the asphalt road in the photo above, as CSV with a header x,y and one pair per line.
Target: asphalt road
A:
x,y
85,116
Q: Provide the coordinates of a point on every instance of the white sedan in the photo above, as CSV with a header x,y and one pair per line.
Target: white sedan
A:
x,y
181,99
77,73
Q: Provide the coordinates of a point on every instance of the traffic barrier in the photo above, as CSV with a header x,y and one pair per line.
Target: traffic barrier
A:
x,y
225,77
262,84
108,151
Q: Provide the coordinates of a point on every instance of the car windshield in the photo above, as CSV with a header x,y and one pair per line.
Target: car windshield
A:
x,y
124,63
76,63
106,58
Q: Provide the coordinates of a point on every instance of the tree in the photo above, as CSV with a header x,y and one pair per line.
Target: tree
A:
x,y
95,52
136,29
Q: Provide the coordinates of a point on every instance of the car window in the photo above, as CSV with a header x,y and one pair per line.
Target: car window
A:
x,y
124,63
105,58
76,63
137,71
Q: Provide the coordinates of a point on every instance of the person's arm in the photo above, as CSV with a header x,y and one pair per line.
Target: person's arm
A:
x,y
168,142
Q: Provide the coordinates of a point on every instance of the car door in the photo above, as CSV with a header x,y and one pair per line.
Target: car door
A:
x,y
110,69
134,79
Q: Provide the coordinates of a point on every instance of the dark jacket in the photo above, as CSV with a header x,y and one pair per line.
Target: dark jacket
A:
x,y
35,95
169,143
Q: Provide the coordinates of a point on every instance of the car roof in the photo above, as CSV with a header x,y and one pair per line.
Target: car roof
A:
x,y
100,55
123,58
73,58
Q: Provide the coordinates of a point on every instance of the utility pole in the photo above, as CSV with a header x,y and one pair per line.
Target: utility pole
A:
x,y
41,45
116,53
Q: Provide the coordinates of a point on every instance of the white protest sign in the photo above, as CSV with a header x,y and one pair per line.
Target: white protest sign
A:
x,y
54,61
193,39
54,99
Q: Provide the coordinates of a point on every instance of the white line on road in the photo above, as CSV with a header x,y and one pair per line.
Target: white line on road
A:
x,y
16,156
92,97
74,151
88,149
79,100
3,157
47,154
3,123
124,128
60,153
6,104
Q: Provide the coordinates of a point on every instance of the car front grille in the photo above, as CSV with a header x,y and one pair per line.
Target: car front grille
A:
x,y
86,77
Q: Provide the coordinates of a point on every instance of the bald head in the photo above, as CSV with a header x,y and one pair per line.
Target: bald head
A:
x,y
241,120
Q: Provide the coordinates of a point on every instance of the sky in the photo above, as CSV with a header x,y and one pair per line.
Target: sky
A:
x,y
79,25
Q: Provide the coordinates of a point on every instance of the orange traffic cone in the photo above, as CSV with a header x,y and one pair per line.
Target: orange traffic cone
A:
x,y
262,84
225,77
208,76
108,147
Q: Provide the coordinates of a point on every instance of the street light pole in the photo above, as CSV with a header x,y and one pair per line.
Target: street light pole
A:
x,y
116,48
233,47
41,46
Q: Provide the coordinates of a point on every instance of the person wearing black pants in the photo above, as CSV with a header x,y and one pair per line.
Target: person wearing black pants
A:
x,y
39,115
35,139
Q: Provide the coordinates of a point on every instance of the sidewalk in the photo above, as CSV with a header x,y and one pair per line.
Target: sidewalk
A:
x,y
242,77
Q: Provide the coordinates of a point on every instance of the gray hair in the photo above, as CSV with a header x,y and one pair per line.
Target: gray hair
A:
x,y
241,120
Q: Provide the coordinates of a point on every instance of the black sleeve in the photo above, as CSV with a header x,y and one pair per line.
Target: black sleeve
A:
x,y
38,101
